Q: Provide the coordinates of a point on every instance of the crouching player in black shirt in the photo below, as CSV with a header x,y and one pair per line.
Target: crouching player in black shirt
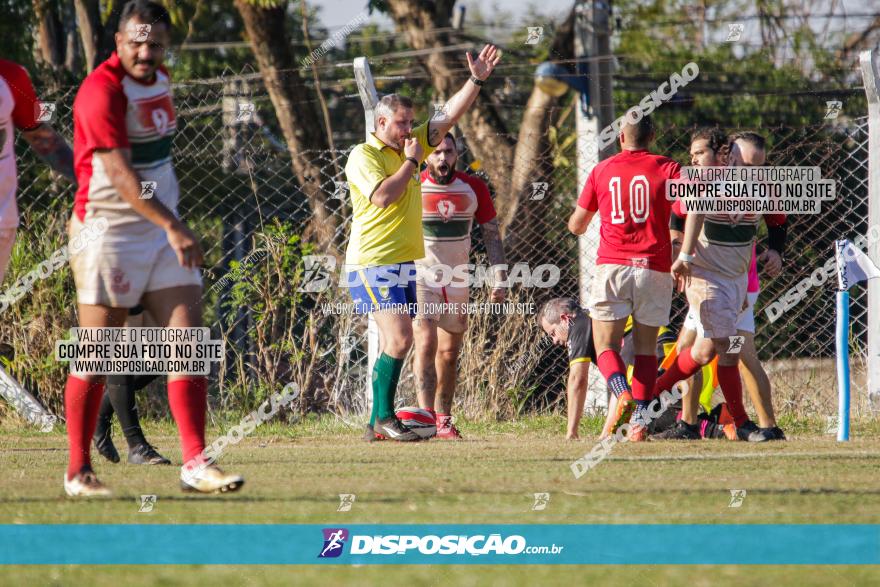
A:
x,y
568,324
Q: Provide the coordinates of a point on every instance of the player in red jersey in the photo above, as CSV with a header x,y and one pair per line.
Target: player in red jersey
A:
x,y
632,275
20,109
124,124
451,201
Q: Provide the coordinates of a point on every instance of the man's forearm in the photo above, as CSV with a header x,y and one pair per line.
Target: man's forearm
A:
x,y
494,248
127,183
393,187
454,109
576,391
52,149
692,227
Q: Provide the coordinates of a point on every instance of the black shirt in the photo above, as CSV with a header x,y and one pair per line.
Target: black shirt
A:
x,y
580,340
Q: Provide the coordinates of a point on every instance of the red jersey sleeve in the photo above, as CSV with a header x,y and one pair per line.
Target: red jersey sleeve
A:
x,y
485,208
589,199
24,111
672,169
99,113
775,219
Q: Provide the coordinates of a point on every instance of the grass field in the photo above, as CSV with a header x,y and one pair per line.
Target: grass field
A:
x,y
294,475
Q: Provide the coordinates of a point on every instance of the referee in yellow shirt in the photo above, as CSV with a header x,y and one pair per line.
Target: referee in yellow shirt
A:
x,y
386,232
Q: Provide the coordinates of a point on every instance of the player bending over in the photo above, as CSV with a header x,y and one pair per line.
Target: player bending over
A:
x,y
632,270
709,147
568,324
714,263
386,230
124,122
451,201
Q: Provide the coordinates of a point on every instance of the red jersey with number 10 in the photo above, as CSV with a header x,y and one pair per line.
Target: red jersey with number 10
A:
x,y
629,192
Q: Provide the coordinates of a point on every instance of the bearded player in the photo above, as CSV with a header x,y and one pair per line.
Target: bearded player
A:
x,y
632,269
451,201
124,123
713,264
710,147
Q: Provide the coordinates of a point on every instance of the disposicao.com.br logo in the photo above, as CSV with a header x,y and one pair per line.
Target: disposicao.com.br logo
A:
x,y
430,544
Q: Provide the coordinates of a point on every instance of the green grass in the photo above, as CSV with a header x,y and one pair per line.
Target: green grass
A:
x,y
295,473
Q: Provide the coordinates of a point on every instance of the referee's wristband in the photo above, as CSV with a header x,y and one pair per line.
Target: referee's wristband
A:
x,y
477,81
685,257
414,161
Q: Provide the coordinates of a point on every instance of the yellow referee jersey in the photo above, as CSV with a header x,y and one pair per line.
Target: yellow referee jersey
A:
x,y
384,236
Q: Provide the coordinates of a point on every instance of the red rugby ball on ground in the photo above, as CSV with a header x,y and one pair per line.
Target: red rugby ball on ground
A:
x,y
418,420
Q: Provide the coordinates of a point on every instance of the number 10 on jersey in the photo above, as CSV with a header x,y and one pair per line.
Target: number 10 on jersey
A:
x,y
639,200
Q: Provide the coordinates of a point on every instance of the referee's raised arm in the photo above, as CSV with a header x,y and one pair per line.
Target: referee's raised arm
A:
x,y
481,68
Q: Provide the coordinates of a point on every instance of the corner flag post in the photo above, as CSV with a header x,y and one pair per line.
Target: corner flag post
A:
x,y
369,99
870,66
842,345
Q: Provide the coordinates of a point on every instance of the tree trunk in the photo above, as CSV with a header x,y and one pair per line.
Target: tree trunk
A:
x,y
482,125
532,157
72,55
294,107
484,128
48,35
92,33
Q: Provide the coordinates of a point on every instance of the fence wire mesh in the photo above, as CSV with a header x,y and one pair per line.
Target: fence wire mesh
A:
x,y
240,194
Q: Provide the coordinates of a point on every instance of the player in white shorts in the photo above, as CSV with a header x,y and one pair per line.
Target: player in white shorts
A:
x,y
20,109
714,263
709,146
745,321
124,124
451,201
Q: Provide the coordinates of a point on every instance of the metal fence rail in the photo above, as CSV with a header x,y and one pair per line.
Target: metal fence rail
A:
x,y
239,193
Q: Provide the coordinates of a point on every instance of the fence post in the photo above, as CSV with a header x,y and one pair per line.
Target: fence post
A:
x,y
237,114
369,99
592,39
870,65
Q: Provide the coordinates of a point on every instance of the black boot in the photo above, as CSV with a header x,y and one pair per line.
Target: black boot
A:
x,y
102,439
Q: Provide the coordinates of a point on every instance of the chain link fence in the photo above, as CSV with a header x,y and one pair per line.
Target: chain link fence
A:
x,y
239,193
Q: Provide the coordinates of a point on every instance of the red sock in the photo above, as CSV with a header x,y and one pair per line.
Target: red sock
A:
x,y
613,370
82,402
683,367
644,377
188,399
731,387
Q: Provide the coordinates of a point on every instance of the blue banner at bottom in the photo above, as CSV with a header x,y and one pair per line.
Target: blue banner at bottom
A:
x,y
366,544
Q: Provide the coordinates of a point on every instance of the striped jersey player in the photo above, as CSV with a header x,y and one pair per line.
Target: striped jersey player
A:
x,y
20,109
714,263
451,202
124,124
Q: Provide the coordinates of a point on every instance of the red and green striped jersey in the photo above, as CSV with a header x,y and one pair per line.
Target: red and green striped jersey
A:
x,y
726,243
113,110
448,212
